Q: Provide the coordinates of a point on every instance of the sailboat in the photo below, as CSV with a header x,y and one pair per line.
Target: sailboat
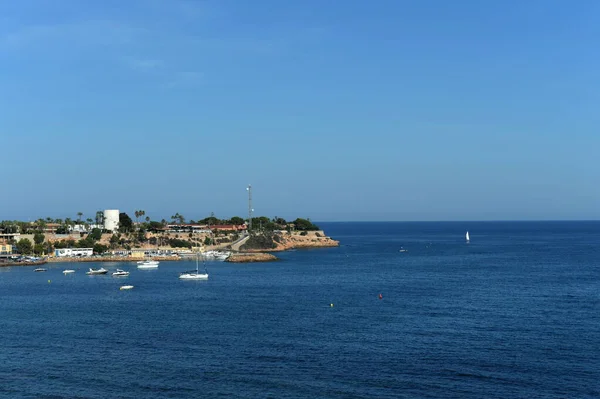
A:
x,y
467,237
194,274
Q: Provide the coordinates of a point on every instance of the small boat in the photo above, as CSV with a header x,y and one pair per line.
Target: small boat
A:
x,y
68,271
467,237
126,287
97,271
194,274
148,264
39,269
120,273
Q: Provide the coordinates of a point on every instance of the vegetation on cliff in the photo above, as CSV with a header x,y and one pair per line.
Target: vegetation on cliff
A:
x,y
262,241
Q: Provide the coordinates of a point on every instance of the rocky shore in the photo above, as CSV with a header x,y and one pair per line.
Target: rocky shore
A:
x,y
312,239
283,241
251,257
33,263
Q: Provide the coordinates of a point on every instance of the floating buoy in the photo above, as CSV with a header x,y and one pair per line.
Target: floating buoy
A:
x,y
48,281
380,296
331,305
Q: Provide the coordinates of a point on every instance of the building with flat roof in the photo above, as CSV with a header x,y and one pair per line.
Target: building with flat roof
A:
x,y
6,249
62,252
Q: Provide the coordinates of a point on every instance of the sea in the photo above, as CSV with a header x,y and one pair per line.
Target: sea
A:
x,y
514,313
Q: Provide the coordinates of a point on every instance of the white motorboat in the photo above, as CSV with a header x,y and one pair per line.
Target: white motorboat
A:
x,y
68,271
126,287
194,274
148,264
39,269
120,273
97,271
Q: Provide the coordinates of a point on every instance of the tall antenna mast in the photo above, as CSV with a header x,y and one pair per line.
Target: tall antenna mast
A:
x,y
249,188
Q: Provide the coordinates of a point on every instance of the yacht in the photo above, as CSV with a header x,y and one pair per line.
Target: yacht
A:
x,y
97,271
126,287
148,264
194,274
68,271
120,273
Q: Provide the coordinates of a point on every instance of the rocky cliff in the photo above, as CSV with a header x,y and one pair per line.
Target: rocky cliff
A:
x,y
282,241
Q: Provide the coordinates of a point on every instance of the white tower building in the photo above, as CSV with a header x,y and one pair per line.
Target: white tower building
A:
x,y
111,219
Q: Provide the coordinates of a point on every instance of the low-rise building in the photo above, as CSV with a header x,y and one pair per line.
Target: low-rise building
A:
x,y
6,249
62,252
228,227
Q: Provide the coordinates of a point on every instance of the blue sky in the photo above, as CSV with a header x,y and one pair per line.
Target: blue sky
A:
x,y
333,110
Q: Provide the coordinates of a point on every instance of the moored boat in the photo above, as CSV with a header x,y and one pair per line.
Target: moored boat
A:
x,y
97,271
148,264
120,273
194,274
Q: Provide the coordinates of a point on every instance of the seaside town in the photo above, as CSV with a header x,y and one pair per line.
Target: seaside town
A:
x,y
114,235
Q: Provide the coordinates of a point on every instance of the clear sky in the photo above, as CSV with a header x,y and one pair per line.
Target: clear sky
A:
x,y
333,110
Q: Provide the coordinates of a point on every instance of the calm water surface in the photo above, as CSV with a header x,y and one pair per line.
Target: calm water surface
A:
x,y
513,314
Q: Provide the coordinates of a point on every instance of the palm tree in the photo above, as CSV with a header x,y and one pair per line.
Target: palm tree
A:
x,y
79,215
147,219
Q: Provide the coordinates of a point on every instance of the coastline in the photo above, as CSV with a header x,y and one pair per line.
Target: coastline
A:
x,y
112,259
247,257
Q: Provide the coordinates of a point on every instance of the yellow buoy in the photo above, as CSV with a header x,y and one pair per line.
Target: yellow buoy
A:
x,y
331,305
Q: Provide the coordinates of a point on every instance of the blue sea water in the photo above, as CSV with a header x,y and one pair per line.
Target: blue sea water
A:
x,y
513,314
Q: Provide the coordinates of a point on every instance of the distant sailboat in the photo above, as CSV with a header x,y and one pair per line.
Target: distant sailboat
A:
x,y
467,236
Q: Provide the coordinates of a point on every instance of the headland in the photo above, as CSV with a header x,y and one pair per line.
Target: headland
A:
x,y
115,237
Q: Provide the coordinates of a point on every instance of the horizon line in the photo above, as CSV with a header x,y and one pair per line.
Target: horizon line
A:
x,y
459,221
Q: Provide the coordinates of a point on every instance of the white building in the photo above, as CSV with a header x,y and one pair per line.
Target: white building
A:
x,y
73,252
111,220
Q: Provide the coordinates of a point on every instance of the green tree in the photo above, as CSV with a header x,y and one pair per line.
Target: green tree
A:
x,y
96,234
237,220
99,217
39,249
177,218
114,240
63,229
304,225
279,221
125,223
100,248
79,215
87,242
24,246
38,238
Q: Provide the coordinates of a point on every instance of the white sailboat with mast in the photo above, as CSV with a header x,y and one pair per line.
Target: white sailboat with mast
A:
x,y
194,274
467,237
